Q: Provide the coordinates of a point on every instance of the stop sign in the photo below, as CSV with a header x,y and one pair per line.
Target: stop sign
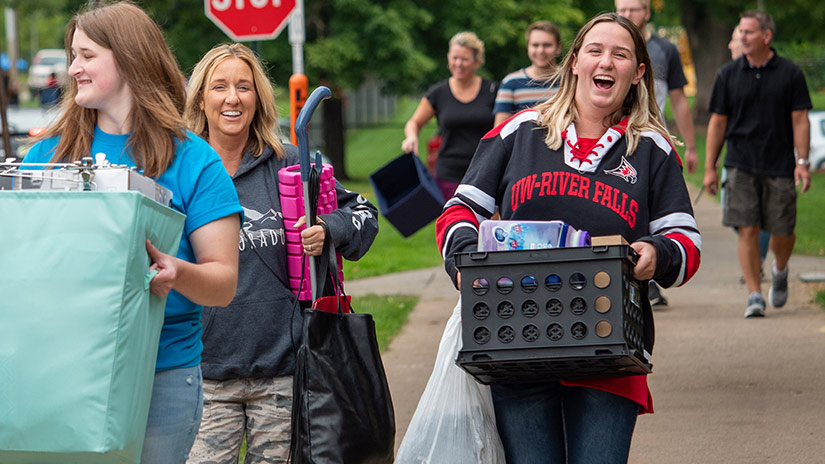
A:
x,y
245,20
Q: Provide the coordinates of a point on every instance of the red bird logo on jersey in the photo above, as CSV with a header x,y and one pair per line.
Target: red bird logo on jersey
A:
x,y
625,170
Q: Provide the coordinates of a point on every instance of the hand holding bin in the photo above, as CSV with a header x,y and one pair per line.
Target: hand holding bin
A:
x,y
407,194
79,327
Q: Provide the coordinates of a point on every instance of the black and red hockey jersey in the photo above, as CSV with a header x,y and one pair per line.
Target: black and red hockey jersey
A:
x,y
602,190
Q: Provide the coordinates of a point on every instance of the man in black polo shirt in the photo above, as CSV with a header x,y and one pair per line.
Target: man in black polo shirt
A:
x,y
759,105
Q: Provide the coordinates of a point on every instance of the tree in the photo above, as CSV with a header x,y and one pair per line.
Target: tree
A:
x,y
397,42
708,24
189,32
798,20
349,41
404,44
499,23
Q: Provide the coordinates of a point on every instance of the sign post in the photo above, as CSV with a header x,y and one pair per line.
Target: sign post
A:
x,y
298,83
297,37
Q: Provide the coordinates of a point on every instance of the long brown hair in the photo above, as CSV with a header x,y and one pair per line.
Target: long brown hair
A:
x,y
263,130
148,67
560,110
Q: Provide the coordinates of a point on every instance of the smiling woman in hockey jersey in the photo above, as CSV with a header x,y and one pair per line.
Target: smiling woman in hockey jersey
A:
x,y
595,156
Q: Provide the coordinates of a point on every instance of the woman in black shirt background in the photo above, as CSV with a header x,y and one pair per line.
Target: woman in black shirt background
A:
x,y
463,107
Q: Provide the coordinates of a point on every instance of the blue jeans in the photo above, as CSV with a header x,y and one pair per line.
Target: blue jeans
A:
x,y
549,423
174,416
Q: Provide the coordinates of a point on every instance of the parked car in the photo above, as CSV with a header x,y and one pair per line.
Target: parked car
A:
x,y
817,153
46,62
23,124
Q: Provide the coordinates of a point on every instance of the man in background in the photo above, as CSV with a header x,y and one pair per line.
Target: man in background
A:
x,y
735,47
528,86
668,75
669,81
759,106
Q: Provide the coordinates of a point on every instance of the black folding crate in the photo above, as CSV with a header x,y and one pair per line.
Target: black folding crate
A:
x,y
408,196
552,314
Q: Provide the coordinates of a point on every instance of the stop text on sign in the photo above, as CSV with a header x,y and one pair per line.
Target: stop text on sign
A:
x,y
244,20
223,5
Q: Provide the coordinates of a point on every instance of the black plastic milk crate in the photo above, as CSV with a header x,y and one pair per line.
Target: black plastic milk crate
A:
x,y
552,314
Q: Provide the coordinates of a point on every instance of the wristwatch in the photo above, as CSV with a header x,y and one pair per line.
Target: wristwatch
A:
x,y
803,162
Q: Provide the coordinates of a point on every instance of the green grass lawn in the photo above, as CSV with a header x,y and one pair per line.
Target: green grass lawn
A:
x,y
810,220
369,149
389,313
818,100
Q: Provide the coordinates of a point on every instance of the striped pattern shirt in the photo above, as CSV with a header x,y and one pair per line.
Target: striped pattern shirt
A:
x,y
518,91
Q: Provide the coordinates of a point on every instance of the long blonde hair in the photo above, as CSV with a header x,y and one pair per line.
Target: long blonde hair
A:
x,y
148,67
263,130
559,111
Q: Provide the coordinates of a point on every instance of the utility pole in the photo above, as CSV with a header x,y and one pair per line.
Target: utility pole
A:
x,y
34,42
6,139
11,45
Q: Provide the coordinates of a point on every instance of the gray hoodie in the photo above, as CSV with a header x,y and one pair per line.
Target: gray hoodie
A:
x,y
251,337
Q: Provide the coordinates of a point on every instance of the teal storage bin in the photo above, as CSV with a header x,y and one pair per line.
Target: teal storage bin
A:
x,y
79,327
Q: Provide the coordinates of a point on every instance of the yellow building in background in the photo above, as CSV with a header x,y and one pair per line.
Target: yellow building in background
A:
x,y
678,37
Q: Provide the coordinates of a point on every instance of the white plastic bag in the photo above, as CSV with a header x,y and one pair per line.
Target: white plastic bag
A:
x,y
454,422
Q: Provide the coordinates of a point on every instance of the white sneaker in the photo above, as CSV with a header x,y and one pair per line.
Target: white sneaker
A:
x,y
756,305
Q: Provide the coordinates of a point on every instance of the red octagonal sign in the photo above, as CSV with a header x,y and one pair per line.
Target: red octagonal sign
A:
x,y
244,20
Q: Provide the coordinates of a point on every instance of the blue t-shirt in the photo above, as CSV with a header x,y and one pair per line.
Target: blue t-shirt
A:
x,y
203,191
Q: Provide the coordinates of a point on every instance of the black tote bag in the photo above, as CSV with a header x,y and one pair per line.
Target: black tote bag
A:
x,y
342,409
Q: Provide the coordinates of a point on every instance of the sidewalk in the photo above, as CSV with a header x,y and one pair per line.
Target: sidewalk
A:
x,y
726,389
